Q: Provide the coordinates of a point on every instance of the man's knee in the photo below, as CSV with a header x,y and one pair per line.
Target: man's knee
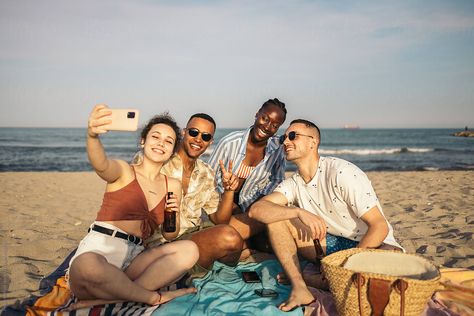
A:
x,y
231,238
218,238
277,226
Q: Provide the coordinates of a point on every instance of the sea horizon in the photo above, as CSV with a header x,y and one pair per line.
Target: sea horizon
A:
x,y
357,127
371,149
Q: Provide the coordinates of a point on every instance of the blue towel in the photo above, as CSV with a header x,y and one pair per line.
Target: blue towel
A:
x,y
223,292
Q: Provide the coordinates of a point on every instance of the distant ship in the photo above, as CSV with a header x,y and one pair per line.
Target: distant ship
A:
x,y
350,126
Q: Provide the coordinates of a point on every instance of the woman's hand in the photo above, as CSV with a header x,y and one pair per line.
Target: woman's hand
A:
x,y
229,180
98,119
172,203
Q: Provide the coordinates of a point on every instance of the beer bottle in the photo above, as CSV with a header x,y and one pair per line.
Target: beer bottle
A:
x,y
170,218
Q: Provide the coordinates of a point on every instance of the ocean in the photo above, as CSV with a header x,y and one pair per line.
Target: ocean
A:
x,y
63,149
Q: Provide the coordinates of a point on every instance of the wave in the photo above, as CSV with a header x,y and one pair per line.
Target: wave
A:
x,y
374,151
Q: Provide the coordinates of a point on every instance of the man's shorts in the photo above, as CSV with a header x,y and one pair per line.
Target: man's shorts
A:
x,y
196,270
188,233
335,243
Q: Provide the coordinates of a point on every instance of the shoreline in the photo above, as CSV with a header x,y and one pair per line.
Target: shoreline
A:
x,y
45,214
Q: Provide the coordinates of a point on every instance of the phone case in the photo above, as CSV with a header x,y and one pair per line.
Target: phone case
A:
x,y
266,293
124,120
250,277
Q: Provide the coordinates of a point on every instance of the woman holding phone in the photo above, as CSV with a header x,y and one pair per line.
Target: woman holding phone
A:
x,y
110,264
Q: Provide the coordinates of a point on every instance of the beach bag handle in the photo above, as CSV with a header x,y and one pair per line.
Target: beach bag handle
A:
x,y
378,293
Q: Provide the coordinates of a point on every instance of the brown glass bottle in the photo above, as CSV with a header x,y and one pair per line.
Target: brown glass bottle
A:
x,y
169,224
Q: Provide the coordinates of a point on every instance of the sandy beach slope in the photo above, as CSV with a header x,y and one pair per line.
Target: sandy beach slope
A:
x,y
45,214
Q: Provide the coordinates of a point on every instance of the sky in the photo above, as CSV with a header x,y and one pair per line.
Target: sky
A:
x,y
375,64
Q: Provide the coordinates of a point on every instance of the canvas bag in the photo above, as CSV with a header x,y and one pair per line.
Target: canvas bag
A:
x,y
380,282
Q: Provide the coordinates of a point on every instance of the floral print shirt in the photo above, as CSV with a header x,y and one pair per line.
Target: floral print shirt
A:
x,y
202,195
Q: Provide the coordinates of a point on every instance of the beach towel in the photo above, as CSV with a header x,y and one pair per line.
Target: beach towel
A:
x,y
220,292
458,293
223,292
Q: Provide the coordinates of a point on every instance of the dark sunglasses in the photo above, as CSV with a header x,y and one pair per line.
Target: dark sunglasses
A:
x,y
291,136
194,132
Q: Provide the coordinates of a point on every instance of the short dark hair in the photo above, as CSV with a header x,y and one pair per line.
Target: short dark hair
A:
x,y
203,116
307,124
277,103
167,119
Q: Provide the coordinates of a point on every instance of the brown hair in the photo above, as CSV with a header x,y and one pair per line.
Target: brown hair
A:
x,y
166,119
308,124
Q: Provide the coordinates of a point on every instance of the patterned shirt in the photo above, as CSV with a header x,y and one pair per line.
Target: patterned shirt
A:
x,y
263,179
340,193
201,195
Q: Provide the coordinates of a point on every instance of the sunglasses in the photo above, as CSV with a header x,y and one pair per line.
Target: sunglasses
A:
x,y
194,132
291,136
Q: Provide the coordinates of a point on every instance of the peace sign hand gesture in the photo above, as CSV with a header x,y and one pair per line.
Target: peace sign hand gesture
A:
x,y
229,180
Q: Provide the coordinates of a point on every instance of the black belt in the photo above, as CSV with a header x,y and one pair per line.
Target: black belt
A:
x,y
107,231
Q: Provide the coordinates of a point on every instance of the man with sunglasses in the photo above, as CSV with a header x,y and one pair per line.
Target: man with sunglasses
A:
x,y
220,242
328,204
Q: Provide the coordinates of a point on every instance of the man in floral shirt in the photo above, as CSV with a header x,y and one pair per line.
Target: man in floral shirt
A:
x,y
216,242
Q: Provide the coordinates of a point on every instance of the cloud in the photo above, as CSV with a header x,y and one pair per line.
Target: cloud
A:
x,y
228,52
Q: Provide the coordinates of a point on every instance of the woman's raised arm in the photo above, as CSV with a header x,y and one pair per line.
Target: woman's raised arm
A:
x,y
108,169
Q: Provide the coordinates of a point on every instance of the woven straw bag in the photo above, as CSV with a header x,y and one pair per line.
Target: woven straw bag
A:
x,y
380,282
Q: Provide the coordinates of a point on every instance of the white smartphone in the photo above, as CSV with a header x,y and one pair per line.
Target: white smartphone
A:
x,y
124,120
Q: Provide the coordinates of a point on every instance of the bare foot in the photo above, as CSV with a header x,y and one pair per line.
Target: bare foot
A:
x,y
283,279
246,253
316,280
298,298
167,296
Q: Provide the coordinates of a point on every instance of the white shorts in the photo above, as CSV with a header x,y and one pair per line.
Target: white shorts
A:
x,y
116,251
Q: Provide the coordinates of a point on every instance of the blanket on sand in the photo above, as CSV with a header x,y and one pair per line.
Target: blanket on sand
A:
x,y
221,292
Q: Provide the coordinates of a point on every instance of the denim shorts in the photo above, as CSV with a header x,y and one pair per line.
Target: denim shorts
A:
x,y
335,243
118,252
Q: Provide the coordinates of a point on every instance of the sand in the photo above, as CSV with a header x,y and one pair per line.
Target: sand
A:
x,y
45,214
